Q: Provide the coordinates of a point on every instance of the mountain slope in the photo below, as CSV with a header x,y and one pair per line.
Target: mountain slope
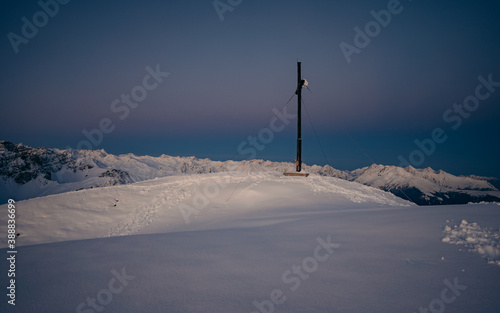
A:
x,y
182,202
27,172
426,186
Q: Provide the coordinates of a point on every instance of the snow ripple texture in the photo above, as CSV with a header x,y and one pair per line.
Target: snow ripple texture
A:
x,y
484,241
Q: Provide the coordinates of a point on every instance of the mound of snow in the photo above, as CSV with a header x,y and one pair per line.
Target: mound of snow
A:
x,y
172,203
484,241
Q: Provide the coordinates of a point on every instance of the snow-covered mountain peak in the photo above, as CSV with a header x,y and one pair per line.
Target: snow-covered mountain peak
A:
x,y
440,177
28,172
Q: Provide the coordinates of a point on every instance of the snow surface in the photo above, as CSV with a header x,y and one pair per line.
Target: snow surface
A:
x,y
252,237
128,209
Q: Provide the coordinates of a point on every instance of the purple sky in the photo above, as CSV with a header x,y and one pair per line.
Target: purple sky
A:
x,y
225,78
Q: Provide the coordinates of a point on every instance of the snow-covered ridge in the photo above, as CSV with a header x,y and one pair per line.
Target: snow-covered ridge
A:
x,y
27,172
427,186
427,178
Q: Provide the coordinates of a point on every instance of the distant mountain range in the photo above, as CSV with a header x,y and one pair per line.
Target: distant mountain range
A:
x,y
427,186
27,172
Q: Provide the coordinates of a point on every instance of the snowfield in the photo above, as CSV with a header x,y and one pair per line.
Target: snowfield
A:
x,y
250,242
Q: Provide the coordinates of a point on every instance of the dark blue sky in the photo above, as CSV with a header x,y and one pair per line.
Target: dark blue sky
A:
x,y
225,78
